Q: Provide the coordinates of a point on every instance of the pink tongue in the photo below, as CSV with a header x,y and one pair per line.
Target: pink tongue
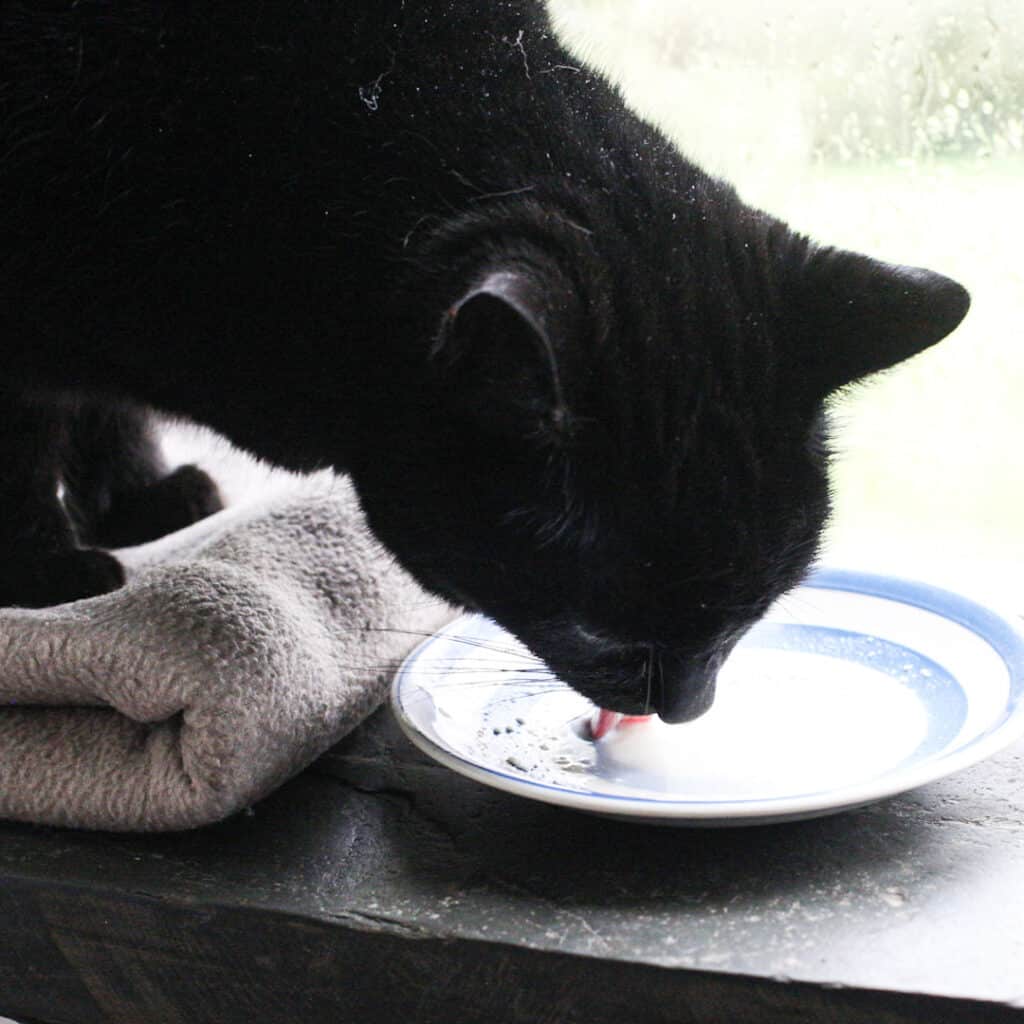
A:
x,y
604,721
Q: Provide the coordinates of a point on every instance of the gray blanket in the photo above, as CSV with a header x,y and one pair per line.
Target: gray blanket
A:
x,y
239,650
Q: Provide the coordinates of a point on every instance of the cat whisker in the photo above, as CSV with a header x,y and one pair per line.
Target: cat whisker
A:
x,y
467,641
512,698
446,680
651,655
502,195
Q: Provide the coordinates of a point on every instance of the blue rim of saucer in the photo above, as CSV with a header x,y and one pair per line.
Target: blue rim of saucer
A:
x,y
1002,635
1005,638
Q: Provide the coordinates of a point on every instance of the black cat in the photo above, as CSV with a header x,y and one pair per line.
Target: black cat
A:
x,y
577,382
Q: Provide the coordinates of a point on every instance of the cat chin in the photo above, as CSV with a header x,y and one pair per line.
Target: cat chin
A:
x,y
677,688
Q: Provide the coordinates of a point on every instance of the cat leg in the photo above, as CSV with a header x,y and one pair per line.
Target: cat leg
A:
x,y
41,561
118,490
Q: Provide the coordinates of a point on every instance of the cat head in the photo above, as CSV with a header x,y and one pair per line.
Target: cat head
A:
x,y
617,450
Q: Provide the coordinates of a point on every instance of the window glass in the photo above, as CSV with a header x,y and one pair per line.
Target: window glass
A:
x,y
896,129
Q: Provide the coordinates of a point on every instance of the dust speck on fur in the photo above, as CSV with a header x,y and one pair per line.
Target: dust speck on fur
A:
x,y
517,44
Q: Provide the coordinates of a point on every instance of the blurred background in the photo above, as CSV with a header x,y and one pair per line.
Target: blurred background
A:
x,y
897,130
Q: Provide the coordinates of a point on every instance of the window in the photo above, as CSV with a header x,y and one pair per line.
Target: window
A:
x,y
897,130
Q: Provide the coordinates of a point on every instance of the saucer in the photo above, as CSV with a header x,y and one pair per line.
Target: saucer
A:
x,y
853,688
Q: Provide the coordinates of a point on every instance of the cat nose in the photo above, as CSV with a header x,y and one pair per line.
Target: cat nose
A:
x,y
686,689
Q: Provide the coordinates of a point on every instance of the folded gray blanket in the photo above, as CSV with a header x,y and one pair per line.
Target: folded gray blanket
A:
x,y
239,650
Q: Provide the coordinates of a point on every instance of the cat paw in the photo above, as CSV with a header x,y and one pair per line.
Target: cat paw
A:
x,y
52,579
170,504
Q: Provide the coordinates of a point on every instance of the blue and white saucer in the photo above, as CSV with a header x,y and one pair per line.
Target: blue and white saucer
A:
x,y
853,688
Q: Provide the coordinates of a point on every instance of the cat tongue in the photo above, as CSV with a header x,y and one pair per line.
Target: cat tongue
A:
x,y
604,721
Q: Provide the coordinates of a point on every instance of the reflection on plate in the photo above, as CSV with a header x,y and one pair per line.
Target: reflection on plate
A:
x,y
853,688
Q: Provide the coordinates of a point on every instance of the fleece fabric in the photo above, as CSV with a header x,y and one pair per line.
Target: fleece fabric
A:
x,y
239,650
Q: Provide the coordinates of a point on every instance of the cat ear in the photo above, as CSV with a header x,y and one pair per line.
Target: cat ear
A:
x,y
497,348
854,315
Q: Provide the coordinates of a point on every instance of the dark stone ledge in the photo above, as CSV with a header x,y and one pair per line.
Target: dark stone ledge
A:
x,y
380,887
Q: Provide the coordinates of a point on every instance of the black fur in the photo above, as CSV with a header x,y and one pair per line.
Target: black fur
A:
x,y
578,383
